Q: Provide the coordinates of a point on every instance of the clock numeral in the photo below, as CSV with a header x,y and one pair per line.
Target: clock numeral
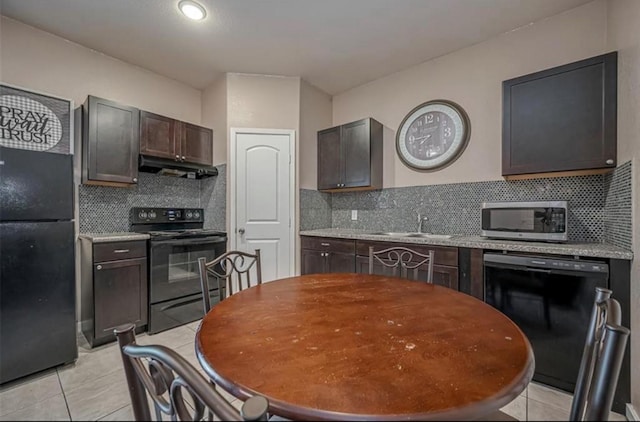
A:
x,y
429,118
447,131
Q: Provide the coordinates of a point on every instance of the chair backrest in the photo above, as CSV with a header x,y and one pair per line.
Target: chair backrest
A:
x,y
166,377
601,360
234,267
399,260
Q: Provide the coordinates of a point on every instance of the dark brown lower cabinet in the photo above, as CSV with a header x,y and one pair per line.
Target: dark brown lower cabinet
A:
x,y
442,275
326,255
114,288
445,268
329,255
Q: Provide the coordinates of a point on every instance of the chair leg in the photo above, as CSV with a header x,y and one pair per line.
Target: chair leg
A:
x,y
126,335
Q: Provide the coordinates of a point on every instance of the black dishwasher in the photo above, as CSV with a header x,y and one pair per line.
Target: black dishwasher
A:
x,y
550,299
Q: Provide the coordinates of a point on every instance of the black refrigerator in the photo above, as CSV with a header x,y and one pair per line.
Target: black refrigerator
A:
x,y
37,265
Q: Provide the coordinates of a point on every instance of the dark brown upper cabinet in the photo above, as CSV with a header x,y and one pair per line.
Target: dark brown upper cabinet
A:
x,y
196,144
109,143
561,119
163,137
158,136
350,156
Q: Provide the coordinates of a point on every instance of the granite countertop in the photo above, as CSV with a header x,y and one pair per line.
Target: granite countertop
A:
x,y
596,250
113,237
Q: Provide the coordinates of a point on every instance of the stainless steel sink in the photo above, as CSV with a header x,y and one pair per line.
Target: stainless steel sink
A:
x,y
395,234
412,234
429,236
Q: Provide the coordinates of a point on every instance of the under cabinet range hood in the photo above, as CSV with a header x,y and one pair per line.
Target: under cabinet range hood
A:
x,y
176,169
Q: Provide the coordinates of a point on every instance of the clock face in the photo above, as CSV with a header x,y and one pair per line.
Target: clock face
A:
x,y
432,135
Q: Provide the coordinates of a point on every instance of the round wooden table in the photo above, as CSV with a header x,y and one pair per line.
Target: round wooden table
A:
x,y
364,347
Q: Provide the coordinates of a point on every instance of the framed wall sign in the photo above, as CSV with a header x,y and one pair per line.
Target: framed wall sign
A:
x,y
35,121
433,135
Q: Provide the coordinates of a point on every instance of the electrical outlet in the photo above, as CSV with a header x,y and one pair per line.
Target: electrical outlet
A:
x,y
354,215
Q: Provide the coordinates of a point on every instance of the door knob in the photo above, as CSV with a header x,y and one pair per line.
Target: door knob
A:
x,y
241,231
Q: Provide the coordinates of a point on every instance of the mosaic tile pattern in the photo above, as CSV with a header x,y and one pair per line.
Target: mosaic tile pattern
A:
x,y
315,209
618,207
455,208
106,209
213,198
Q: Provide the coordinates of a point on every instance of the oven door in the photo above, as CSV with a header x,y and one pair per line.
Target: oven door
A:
x,y
174,266
552,306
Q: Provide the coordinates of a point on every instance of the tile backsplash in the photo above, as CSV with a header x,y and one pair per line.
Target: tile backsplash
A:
x,y
618,207
599,206
106,209
315,209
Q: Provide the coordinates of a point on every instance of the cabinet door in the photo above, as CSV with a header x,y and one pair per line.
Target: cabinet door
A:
x,y
445,276
442,275
356,154
329,156
110,142
313,262
119,294
158,135
340,262
561,119
196,144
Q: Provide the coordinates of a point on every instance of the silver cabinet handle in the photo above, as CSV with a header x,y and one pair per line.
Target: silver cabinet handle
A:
x,y
121,251
609,161
135,179
183,157
99,267
325,244
241,231
177,157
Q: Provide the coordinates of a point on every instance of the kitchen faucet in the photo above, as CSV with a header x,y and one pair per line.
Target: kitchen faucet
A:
x,y
421,220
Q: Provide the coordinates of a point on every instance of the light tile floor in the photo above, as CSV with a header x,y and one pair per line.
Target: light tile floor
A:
x,y
94,388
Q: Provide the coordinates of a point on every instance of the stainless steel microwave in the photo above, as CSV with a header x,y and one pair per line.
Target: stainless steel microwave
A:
x,y
542,221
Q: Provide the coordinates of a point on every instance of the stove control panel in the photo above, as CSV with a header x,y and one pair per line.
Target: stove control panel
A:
x,y
142,215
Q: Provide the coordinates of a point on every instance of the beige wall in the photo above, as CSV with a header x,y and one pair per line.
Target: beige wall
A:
x,y
315,114
214,115
623,21
264,102
41,61
472,77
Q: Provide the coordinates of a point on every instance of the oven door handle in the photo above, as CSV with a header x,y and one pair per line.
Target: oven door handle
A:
x,y
175,305
186,242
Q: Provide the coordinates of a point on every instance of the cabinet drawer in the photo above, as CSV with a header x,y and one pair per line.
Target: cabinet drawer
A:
x,y
443,255
119,250
328,244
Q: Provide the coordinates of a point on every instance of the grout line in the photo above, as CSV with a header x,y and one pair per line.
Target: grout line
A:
x,y
111,413
64,396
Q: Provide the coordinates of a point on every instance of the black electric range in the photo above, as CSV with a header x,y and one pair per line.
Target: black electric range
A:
x,y
177,240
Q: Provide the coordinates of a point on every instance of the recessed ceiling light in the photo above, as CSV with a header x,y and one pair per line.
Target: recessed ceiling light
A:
x,y
192,10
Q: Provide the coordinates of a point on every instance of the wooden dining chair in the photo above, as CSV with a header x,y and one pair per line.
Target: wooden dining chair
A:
x,y
166,377
601,362
234,267
402,262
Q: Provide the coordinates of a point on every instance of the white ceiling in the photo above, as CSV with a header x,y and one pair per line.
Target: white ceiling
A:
x,y
333,44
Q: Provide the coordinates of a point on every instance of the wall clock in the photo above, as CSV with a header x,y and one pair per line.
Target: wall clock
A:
x,y
433,135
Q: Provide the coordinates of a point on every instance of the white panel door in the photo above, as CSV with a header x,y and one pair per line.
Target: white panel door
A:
x,y
263,199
